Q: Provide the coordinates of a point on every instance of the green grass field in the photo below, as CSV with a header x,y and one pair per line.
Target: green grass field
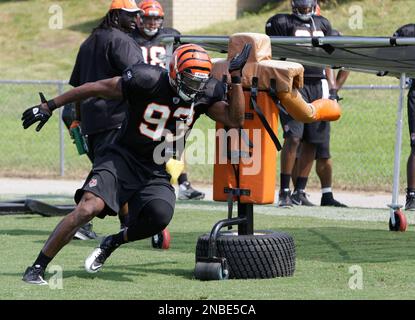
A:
x,y
327,249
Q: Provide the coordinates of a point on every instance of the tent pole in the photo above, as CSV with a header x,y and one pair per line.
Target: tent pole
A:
x,y
398,148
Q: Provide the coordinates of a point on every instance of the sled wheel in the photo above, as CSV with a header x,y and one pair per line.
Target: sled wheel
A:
x,y
161,240
265,254
210,271
400,221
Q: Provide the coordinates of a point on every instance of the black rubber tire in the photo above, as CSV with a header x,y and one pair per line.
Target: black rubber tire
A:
x,y
266,254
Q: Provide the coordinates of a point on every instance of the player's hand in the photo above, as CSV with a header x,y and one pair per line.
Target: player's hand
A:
x,y
238,62
333,95
39,113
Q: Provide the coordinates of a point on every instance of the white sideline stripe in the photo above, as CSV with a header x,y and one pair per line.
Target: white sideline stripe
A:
x,y
11,189
343,214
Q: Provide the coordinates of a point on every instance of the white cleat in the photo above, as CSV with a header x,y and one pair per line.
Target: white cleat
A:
x,y
95,261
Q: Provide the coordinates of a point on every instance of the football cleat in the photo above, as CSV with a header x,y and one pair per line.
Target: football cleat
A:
x,y
299,198
327,200
34,275
284,199
85,232
410,201
95,261
186,192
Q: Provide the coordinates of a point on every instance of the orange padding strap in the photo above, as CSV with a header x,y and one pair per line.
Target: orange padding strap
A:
x,y
319,110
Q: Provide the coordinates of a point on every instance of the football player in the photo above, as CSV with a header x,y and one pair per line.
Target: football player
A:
x,y
302,22
105,53
161,104
408,30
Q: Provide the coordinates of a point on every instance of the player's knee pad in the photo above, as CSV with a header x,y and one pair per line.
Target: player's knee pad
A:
x,y
153,218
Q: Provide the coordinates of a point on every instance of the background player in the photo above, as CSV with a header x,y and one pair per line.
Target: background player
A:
x,y
148,34
104,54
302,22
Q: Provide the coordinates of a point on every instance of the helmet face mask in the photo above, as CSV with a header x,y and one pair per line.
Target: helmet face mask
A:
x,y
304,9
150,25
188,86
151,17
189,71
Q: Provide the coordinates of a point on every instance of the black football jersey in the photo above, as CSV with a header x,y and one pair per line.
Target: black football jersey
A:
x,y
106,53
157,113
289,25
154,52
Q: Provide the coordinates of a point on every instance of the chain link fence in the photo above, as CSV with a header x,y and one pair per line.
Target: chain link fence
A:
x,y
362,141
49,153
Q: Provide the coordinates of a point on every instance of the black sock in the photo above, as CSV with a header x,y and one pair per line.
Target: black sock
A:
x,y
42,260
285,181
123,220
300,183
182,178
115,240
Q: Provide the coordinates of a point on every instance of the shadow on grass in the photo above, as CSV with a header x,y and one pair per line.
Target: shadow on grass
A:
x,y
86,27
334,244
25,232
129,273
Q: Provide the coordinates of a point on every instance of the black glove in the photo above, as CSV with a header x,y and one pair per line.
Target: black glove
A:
x,y
238,61
333,95
36,113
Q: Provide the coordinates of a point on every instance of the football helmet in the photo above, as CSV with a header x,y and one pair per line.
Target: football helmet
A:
x,y
189,71
304,9
151,17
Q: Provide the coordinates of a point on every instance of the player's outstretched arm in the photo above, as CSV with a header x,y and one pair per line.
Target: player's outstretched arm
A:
x,y
233,115
107,88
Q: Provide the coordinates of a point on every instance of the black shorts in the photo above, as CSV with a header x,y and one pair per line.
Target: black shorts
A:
x,y
98,142
118,176
316,132
411,113
323,150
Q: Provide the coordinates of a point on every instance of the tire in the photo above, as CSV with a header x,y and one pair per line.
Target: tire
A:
x,y
400,222
266,254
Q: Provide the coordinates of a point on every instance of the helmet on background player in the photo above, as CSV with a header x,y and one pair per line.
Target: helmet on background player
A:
x,y
151,17
318,10
189,71
304,9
